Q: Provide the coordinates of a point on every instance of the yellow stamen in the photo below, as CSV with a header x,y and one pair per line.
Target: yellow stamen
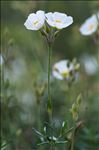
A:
x,y
58,21
35,22
65,74
91,26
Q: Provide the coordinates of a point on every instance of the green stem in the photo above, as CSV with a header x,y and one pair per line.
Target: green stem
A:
x,y
2,76
49,70
39,118
49,104
53,147
73,136
72,142
98,56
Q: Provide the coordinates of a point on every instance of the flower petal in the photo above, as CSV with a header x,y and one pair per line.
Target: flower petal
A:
x,y
35,21
57,15
41,15
61,65
66,22
57,75
49,19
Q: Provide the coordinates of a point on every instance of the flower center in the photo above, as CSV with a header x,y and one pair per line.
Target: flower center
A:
x,y
90,27
65,74
35,22
58,21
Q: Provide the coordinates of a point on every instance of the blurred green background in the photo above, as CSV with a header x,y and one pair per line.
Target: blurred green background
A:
x,y
23,104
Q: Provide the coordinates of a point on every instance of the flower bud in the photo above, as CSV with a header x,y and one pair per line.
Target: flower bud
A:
x,y
79,98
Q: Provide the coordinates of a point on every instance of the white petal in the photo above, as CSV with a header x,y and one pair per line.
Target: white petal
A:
x,y
61,66
51,23
29,22
41,15
49,19
66,22
57,75
49,16
40,12
57,15
92,19
31,16
29,25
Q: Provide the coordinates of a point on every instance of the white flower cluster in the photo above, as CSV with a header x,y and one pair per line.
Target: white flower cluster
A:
x,y
90,26
38,20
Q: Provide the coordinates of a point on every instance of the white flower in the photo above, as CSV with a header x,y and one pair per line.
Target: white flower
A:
x,y
35,21
1,60
58,20
90,26
62,69
90,65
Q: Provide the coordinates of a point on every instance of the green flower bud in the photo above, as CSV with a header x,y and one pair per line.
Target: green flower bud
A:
x,y
75,116
74,108
74,61
79,98
77,66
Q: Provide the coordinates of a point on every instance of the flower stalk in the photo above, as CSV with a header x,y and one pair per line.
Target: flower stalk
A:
x,y
49,103
72,142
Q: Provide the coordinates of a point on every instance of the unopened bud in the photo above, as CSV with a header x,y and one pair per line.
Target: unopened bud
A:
x,y
79,98
77,66
75,116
